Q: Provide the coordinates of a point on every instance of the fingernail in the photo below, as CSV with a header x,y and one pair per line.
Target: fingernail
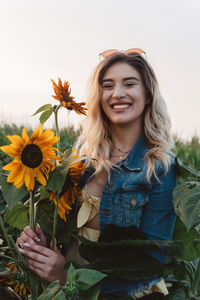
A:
x,y
38,225
21,245
26,245
37,239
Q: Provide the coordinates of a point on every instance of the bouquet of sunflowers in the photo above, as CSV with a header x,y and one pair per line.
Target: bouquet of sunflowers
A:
x,y
40,185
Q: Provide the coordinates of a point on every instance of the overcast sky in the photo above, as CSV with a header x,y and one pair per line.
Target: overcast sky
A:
x,y
40,40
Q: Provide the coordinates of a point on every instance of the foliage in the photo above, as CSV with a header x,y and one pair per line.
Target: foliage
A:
x,y
188,151
183,267
132,259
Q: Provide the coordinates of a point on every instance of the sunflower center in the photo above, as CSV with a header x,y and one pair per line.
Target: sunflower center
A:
x,y
31,156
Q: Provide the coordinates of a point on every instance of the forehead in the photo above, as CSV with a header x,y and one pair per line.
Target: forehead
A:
x,y
121,70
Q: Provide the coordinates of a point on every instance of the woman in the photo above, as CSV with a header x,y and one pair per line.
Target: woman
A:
x,y
132,178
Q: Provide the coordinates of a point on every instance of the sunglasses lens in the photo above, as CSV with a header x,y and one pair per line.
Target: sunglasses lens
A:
x,y
108,52
134,50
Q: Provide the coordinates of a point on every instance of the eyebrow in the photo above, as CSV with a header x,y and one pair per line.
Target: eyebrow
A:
x,y
124,79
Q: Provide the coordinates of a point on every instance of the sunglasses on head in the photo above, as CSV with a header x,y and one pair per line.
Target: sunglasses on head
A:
x,y
136,51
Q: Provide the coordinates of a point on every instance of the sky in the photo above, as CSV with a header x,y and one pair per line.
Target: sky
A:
x,y
40,40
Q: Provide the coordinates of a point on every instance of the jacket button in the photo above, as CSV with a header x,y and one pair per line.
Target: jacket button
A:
x,y
133,201
105,211
110,186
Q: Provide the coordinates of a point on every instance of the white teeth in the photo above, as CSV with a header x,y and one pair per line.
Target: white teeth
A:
x,y
119,106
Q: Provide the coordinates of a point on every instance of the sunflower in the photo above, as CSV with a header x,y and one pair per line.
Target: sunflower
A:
x,y
71,188
14,279
62,92
32,157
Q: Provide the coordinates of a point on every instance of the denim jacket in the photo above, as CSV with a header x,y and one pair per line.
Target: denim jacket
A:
x,y
129,199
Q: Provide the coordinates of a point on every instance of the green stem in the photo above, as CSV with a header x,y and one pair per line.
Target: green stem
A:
x,y
31,211
56,124
55,221
57,194
18,252
5,232
12,260
32,276
195,286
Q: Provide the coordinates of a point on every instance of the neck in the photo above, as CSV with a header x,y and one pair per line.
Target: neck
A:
x,y
125,137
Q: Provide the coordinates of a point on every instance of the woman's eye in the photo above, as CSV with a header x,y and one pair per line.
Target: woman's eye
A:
x,y
107,86
129,84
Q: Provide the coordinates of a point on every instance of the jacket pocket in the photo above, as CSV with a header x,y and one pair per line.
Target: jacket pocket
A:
x,y
129,205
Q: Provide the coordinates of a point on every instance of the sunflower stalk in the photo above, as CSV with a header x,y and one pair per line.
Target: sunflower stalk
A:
x,y
31,211
57,128
57,195
55,223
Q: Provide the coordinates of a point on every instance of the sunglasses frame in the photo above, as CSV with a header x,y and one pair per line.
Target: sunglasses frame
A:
x,y
110,52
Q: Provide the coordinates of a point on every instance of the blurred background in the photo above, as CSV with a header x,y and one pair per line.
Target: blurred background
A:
x,y
40,40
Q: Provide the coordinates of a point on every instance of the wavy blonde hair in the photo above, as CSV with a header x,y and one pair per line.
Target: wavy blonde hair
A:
x,y
95,140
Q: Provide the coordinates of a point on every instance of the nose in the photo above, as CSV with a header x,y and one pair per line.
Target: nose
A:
x,y
118,92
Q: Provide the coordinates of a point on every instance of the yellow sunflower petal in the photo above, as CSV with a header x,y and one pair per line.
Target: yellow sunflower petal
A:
x,y
41,178
10,166
15,172
15,139
9,150
20,177
25,135
29,178
37,133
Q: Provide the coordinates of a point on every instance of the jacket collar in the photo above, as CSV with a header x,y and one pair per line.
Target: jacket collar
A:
x,y
135,160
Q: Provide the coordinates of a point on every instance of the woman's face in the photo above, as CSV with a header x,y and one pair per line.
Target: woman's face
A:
x,y
123,97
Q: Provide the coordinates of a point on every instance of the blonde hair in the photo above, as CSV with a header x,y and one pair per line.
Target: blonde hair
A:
x,y
95,140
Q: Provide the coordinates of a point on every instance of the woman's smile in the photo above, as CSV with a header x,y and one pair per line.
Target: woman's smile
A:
x,y
120,107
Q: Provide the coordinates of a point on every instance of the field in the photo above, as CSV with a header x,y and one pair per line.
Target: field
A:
x,y
184,267
187,151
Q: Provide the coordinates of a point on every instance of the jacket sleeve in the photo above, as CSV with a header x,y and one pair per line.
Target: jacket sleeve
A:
x,y
159,216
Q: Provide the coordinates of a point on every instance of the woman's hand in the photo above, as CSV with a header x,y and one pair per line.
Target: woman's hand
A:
x,y
31,237
47,263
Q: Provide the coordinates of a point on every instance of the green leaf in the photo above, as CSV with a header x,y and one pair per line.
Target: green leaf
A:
x,y
18,216
57,179
187,203
131,260
177,294
71,273
92,293
46,115
184,171
11,194
191,248
60,296
58,176
44,215
87,278
50,291
43,108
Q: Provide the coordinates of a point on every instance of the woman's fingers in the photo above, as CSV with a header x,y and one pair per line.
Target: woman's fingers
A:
x,y
55,247
37,252
40,235
38,271
28,231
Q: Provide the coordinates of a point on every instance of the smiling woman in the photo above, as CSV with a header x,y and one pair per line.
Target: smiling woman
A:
x,y
130,174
